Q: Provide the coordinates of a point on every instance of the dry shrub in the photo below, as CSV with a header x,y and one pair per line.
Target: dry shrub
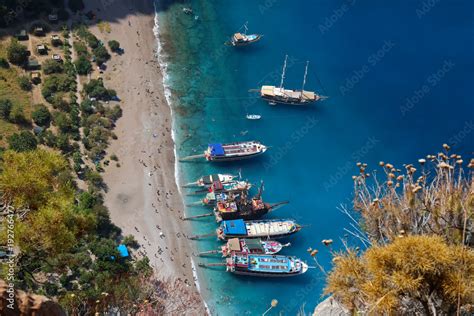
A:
x,y
437,199
417,224
412,275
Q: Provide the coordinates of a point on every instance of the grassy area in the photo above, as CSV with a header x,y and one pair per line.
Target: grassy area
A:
x,y
10,89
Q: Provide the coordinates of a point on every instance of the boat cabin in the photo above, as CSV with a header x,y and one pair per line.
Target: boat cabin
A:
x,y
238,37
234,227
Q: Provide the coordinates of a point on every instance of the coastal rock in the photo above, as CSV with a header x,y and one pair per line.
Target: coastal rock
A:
x,y
330,307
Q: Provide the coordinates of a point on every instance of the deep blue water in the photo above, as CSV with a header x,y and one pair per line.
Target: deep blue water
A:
x,y
399,81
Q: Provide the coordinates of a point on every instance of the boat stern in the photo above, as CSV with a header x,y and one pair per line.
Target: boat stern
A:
x,y
267,92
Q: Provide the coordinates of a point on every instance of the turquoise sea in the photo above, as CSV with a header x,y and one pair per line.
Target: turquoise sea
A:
x,y
399,79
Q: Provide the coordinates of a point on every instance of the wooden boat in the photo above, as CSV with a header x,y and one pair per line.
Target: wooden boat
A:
x,y
265,265
243,39
279,94
253,246
206,181
272,228
243,208
230,151
234,151
212,198
230,187
251,210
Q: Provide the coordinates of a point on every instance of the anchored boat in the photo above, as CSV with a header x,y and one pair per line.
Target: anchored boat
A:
x,y
265,265
272,228
253,117
212,198
243,208
250,210
231,187
262,265
230,151
234,151
243,39
206,181
279,94
253,246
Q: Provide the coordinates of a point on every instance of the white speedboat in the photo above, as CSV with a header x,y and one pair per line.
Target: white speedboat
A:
x,y
253,117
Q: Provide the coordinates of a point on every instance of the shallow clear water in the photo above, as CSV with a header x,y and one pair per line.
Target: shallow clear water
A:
x,y
399,81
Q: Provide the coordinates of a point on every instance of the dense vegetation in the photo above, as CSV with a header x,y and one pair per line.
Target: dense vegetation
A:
x,y
12,11
17,53
66,245
418,228
75,255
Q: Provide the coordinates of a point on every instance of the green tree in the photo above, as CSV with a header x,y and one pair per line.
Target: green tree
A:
x,y
50,230
131,242
101,54
52,67
17,53
63,122
83,65
80,48
57,83
23,141
29,178
95,89
41,116
76,5
5,108
4,63
17,115
24,83
114,45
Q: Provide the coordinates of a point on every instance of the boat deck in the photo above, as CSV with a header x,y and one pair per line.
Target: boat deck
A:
x,y
237,149
273,91
263,228
269,264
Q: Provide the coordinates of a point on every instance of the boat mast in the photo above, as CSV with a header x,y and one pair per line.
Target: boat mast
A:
x,y
245,28
283,72
304,78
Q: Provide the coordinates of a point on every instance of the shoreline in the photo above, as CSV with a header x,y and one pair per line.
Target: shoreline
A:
x,y
143,195
160,53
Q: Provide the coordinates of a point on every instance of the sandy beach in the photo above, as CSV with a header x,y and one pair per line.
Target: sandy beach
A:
x,y
142,194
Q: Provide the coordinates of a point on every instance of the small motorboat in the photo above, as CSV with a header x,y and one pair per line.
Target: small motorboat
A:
x,y
188,11
242,39
253,117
